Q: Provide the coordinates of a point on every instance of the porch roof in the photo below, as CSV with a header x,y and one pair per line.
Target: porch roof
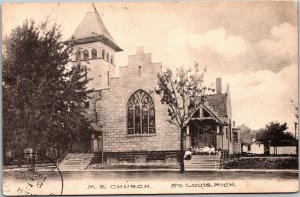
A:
x,y
214,116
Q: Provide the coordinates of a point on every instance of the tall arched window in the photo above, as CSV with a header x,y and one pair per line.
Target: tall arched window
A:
x,y
103,54
78,54
107,57
140,113
85,55
94,53
111,59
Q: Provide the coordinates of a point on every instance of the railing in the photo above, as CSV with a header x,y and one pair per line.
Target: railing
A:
x,y
84,158
61,158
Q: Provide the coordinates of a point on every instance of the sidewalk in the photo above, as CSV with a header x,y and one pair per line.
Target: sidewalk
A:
x,y
156,170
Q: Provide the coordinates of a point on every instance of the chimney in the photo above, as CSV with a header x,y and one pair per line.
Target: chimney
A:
x,y
219,86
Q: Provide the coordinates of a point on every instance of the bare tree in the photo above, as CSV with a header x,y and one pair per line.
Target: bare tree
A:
x,y
183,93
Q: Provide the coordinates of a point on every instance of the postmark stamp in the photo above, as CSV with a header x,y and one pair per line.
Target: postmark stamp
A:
x,y
42,180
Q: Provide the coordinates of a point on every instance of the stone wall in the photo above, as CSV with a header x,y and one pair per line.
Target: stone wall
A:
x,y
99,69
111,109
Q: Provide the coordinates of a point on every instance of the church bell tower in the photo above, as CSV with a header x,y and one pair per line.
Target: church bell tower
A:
x,y
94,47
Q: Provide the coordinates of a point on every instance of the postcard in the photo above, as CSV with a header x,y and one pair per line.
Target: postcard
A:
x,y
185,97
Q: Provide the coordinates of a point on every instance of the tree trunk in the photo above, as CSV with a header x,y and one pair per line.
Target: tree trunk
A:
x,y
33,163
181,151
19,158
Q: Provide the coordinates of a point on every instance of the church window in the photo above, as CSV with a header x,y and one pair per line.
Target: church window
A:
x,y
85,55
94,53
78,54
140,113
103,54
111,59
107,57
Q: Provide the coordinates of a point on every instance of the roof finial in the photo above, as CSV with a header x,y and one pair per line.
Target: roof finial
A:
x,y
92,8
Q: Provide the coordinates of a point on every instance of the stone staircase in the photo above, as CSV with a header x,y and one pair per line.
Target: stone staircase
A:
x,y
76,161
203,162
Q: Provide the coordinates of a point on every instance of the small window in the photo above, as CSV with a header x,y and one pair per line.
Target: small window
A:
x,y
249,147
85,55
226,133
111,59
86,105
78,54
94,53
103,54
235,137
107,57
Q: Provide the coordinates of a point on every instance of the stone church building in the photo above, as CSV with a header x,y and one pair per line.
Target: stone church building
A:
x,y
127,116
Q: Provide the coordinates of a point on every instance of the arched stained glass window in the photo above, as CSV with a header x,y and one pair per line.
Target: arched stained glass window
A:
x,y
94,53
78,54
140,113
85,55
107,57
103,54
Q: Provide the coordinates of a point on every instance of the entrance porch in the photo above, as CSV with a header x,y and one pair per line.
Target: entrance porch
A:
x,y
204,136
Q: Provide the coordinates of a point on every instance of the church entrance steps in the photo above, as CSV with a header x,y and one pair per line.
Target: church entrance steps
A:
x,y
203,162
75,161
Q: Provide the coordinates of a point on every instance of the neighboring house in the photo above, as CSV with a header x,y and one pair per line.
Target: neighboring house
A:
x,y
255,147
288,147
211,124
128,117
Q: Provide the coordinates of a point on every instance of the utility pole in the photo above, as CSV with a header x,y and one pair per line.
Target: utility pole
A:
x,y
296,130
296,138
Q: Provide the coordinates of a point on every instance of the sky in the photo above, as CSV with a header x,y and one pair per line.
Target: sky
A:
x,y
251,45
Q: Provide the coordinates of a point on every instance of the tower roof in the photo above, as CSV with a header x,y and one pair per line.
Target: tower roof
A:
x,y
92,29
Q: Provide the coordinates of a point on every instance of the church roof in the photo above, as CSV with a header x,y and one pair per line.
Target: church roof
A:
x,y
92,29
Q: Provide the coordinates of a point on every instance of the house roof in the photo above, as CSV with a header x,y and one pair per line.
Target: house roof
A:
x,y
218,102
93,29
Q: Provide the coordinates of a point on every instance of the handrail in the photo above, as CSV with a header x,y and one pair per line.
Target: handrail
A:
x,y
84,158
61,157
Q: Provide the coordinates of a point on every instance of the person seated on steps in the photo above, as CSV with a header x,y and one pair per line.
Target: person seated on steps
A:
x,y
188,154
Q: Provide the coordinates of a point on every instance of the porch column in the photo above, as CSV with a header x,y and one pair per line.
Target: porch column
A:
x,y
187,137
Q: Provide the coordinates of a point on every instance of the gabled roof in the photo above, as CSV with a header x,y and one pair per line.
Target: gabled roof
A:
x,y
214,114
216,105
218,102
93,29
